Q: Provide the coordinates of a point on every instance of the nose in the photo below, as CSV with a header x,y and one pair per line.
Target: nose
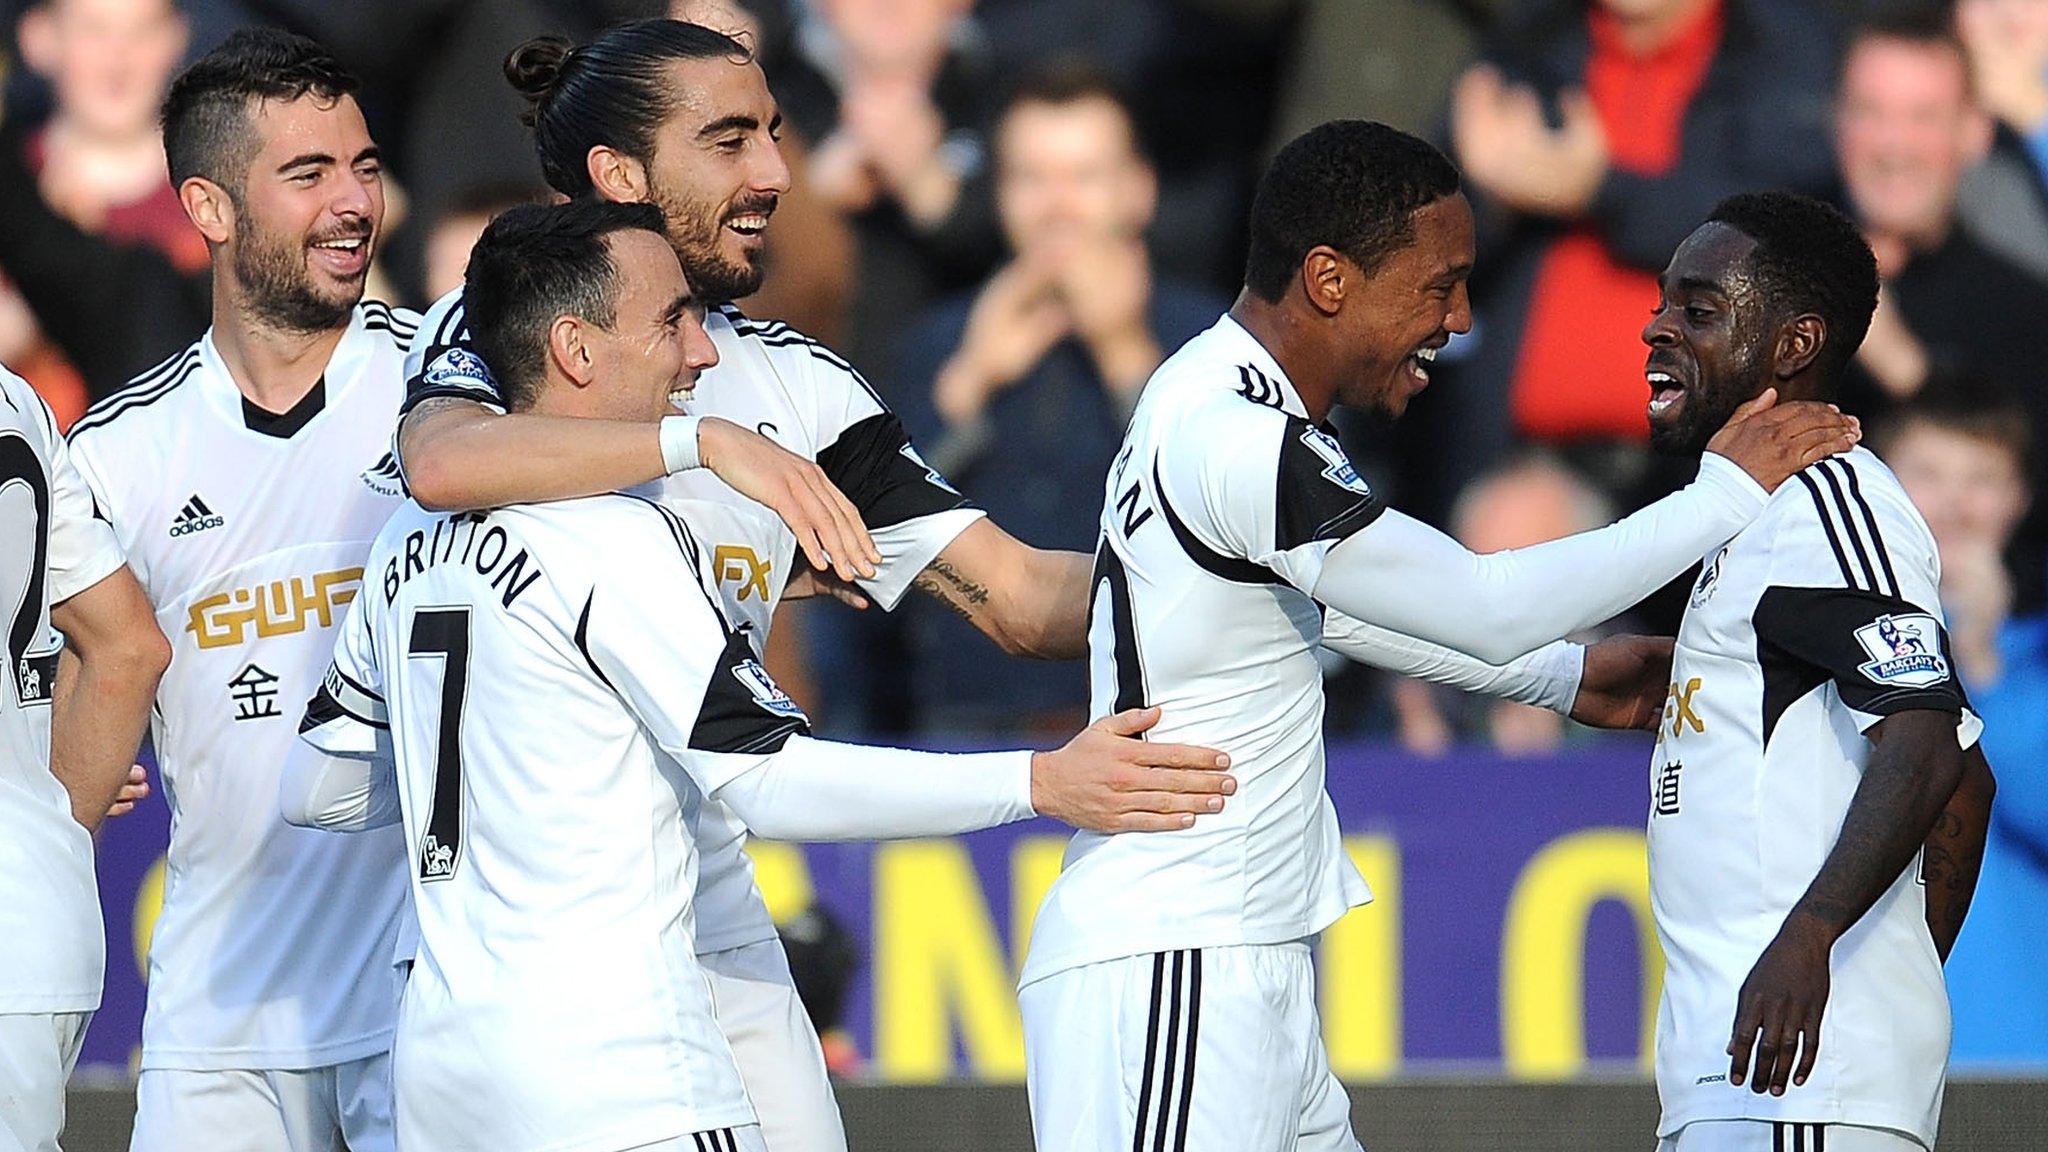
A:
x,y
771,171
699,353
1459,319
1658,332
355,197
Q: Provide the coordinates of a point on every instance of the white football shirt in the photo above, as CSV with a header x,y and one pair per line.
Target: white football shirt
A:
x,y
1217,516
248,532
52,945
1803,631
803,396
560,693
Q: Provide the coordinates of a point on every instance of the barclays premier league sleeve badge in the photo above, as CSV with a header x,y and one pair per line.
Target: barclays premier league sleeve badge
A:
x,y
1905,651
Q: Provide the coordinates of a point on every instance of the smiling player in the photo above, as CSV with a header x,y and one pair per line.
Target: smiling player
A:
x,y
1810,750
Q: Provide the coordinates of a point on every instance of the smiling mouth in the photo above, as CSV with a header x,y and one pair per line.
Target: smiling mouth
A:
x,y
1665,391
1419,362
748,224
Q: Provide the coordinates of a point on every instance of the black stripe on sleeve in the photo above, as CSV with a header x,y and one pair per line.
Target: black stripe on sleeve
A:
x,y
1884,556
1319,495
1883,654
1827,524
873,463
1849,527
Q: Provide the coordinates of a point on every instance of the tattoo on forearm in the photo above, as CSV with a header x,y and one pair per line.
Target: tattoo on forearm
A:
x,y
1939,867
965,597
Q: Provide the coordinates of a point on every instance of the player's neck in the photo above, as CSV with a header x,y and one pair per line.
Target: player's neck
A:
x,y
1294,346
274,367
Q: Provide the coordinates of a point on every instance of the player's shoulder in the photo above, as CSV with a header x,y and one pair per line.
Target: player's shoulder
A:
x,y
609,529
1848,518
792,353
21,407
138,403
400,324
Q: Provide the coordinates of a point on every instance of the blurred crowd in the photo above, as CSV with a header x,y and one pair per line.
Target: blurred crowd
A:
x,y
1007,213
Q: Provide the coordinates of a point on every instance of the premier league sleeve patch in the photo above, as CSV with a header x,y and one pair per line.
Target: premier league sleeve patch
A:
x,y
458,368
1905,651
766,692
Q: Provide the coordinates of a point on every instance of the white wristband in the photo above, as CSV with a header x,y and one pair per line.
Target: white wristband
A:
x,y
679,443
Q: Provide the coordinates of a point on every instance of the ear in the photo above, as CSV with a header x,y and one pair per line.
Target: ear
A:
x,y
38,40
209,207
569,347
616,176
1799,346
1323,279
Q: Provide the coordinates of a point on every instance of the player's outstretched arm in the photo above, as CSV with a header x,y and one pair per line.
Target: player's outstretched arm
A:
x,y
1914,768
461,454
1030,601
1954,851
1103,780
101,708
1618,682
1404,575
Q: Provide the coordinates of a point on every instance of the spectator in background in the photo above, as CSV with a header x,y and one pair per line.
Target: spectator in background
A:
x,y
1020,391
2005,199
1907,127
454,231
98,160
1963,461
1591,137
1527,501
894,93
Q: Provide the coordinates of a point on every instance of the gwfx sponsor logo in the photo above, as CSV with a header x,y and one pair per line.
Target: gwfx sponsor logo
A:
x,y
276,608
1678,713
741,565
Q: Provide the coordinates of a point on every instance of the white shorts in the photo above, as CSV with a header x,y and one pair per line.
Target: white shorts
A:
x,y
745,1139
780,1061
339,1108
37,1051
1782,1136
1207,1050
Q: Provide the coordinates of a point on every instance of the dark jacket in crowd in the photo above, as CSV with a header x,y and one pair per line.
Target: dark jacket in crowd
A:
x,y
1759,120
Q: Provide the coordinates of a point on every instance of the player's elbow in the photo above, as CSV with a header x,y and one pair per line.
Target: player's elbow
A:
x,y
137,656
434,482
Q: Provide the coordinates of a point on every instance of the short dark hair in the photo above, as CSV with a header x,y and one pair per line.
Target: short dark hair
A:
x,y
537,262
612,91
1351,184
1923,24
206,113
1808,258
1068,80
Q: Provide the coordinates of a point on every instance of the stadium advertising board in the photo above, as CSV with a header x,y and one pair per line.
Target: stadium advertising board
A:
x,y
1511,930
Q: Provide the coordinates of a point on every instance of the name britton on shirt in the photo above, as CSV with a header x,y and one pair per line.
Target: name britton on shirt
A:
x,y
463,539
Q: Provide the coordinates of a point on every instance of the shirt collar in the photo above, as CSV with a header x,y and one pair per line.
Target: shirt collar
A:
x,y
343,367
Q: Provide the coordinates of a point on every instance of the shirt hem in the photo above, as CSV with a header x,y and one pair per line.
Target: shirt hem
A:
x,y
1838,1112
1036,969
279,1059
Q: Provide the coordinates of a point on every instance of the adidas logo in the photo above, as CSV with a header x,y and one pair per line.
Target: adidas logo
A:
x,y
194,517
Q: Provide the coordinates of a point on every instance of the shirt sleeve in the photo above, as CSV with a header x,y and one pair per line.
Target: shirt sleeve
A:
x,y
347,716
1404,575
83,549
1265,499
693,682
1851,599
911,510
1547,678
442,362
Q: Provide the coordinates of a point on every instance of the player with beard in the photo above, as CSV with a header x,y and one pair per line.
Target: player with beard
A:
x,y
233,476
1819,804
